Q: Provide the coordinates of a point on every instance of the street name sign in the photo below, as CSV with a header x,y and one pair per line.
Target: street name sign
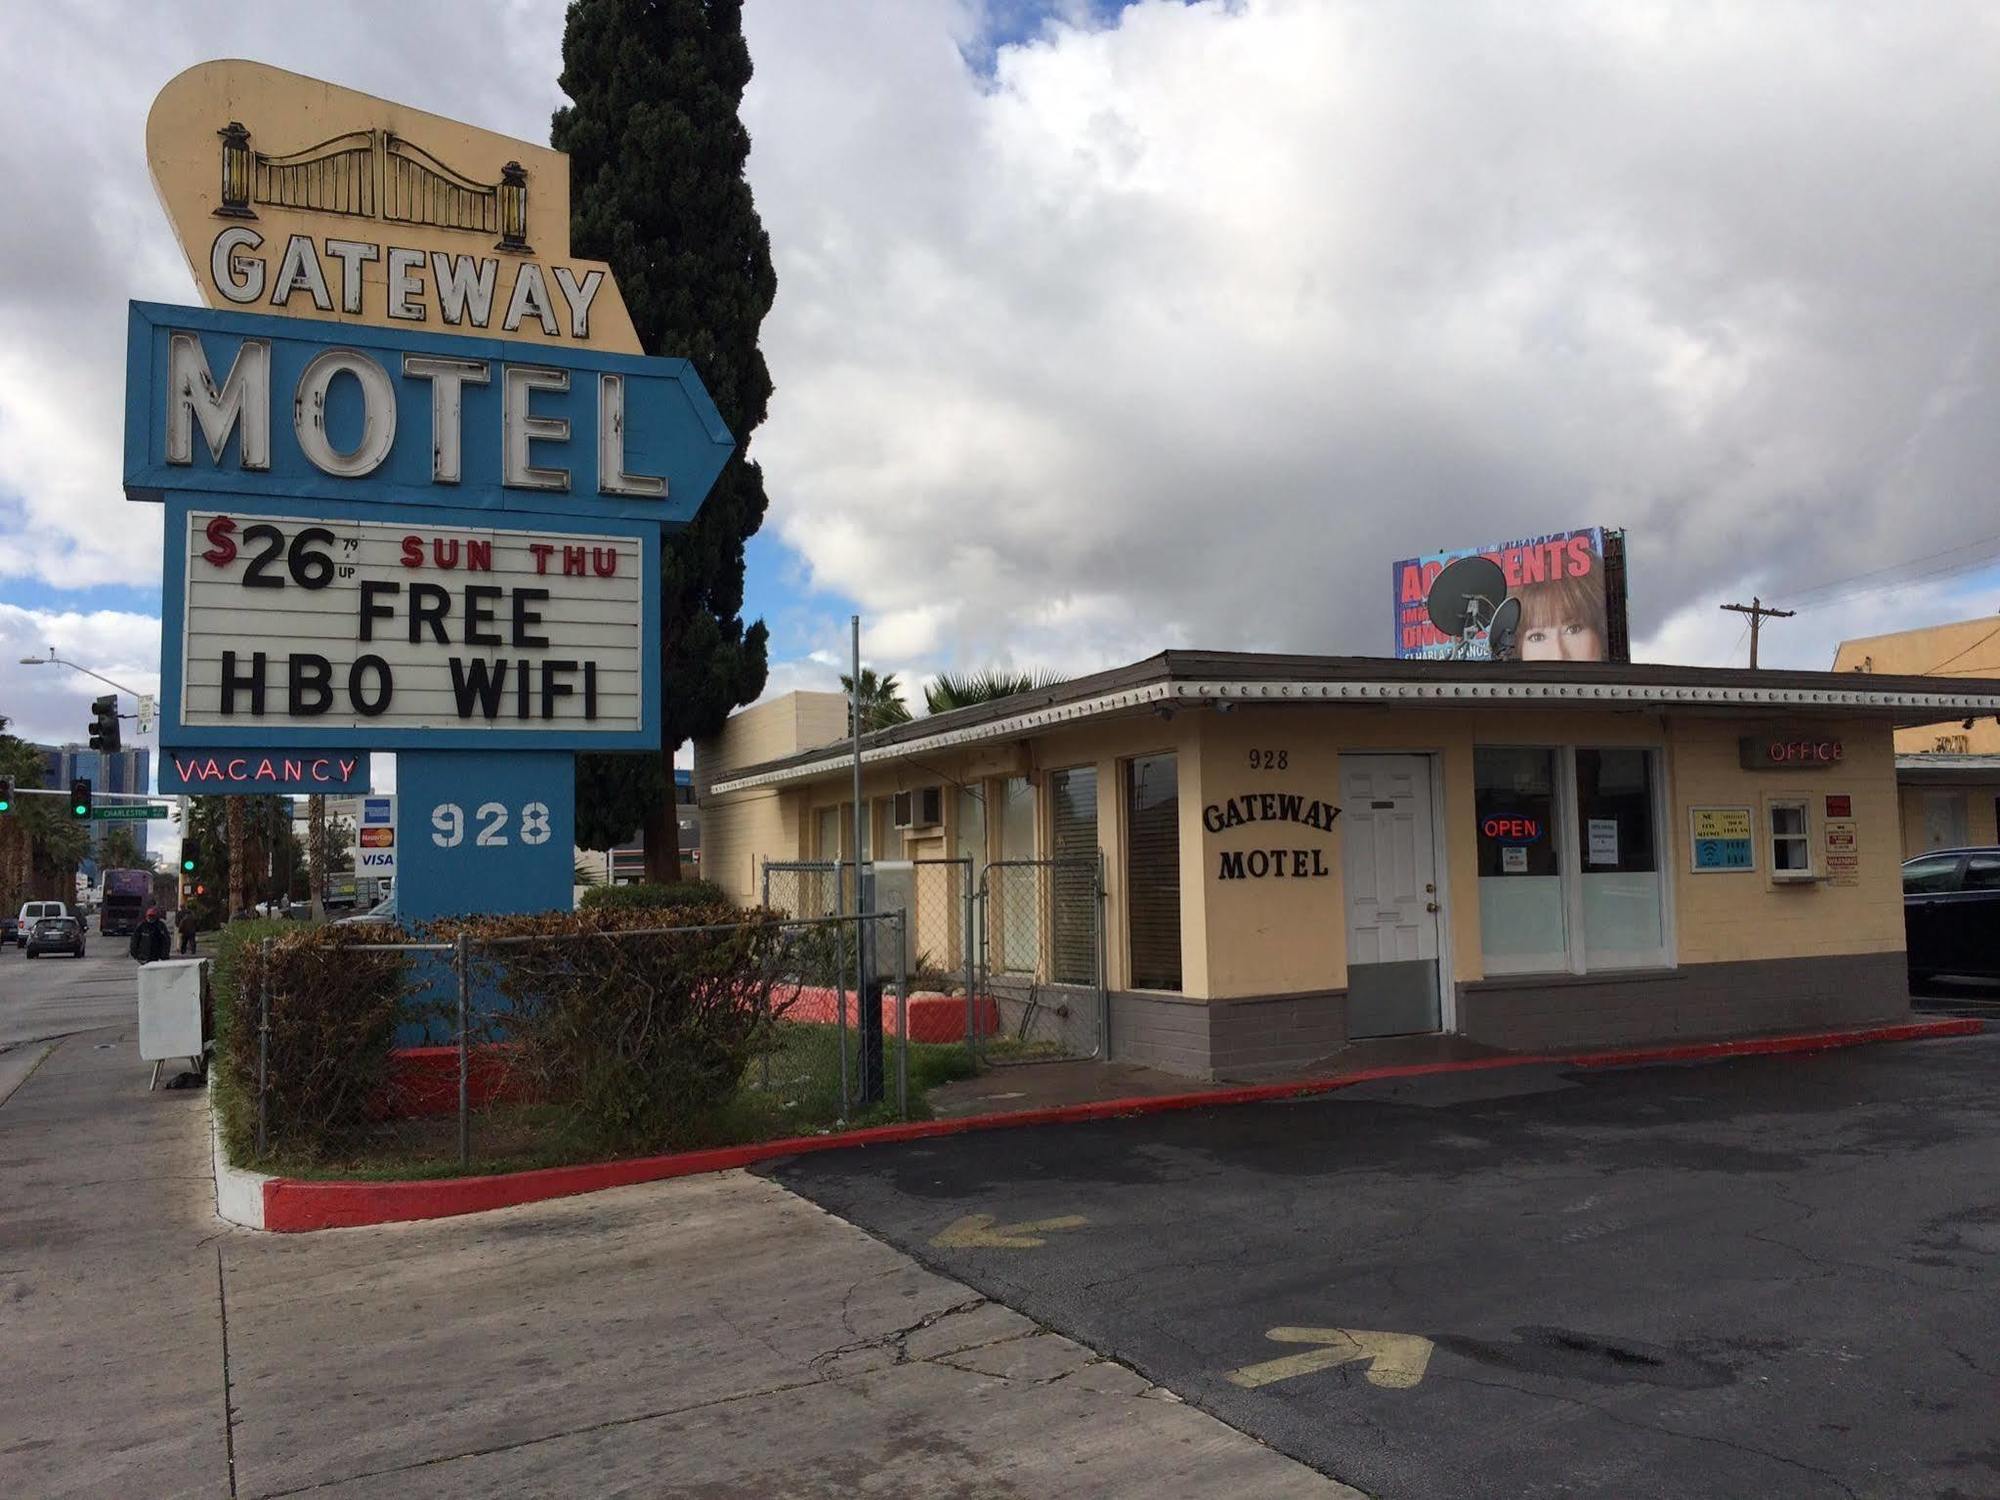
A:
x,y
130,812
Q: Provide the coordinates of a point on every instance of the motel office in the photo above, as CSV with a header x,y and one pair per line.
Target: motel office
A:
x,y
1302,851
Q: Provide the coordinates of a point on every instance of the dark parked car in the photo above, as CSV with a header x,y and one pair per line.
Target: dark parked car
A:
x,y
1951,912
56,935
10,930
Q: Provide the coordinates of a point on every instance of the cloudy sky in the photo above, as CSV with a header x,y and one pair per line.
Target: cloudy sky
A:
x,y
1102,328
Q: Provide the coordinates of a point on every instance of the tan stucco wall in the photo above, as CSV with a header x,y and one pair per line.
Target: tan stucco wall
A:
x,y
1244,938
1962,648
1725,917
738,833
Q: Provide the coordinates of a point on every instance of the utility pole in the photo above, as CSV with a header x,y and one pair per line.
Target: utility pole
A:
x,y
1758,612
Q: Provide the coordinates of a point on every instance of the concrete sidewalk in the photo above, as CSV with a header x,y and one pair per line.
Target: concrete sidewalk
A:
x,y
111,1363
715,1336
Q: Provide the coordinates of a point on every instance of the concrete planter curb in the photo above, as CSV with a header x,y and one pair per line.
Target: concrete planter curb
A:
x,y
239,1192
292,1205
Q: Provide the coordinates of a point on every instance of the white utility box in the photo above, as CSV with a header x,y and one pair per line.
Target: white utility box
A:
x,y
170,1010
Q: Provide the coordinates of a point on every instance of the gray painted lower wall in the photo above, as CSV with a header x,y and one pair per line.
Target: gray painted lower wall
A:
x,y
1270,1034
1697,1001
1277,1034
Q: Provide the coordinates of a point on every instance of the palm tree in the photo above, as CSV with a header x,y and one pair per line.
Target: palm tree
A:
x,y
120,851
946,691
881,700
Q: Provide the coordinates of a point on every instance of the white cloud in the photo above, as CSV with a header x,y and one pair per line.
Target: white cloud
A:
x,y
51,704
1206,315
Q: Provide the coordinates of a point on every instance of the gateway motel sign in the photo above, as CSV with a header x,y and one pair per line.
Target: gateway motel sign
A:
x,y
388,537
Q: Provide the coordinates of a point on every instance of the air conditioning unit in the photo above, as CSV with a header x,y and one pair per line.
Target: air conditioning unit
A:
x,y
921,808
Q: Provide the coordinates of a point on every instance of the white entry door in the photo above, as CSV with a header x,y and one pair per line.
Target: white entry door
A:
x,y
1390,867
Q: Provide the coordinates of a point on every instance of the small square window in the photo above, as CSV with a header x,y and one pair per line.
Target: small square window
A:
x,y
1790,824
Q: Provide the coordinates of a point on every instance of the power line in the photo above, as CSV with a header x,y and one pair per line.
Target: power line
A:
x,y
1966,652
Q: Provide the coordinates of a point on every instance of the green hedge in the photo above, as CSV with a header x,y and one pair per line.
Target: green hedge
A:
x,y
678,895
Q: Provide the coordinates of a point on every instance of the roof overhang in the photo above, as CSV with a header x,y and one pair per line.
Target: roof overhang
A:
x,y
1935,767
1473,690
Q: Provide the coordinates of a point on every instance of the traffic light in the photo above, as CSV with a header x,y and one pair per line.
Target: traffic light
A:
x,y
104,724
79,797
187,862
6,794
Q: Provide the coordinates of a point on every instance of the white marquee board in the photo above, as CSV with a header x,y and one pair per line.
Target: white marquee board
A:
x,y
464,627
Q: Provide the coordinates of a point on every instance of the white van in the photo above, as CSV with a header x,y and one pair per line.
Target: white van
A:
x,y
31,913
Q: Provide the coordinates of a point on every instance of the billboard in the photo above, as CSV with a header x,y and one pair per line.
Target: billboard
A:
x,y
1570,583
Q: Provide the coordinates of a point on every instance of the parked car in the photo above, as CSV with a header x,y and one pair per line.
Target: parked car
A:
x,y
10,929
381,911
56,935
1951,912
31,913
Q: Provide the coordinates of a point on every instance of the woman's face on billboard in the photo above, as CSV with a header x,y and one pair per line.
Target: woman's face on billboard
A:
x,y
1562,640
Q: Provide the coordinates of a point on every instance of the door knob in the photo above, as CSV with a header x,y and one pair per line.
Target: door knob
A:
x,y
1430,906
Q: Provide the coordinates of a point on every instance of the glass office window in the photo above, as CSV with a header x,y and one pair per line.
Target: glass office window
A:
x,y
1523,921
1153,871
1617,859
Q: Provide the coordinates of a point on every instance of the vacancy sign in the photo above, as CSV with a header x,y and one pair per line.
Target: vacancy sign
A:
x,y
351,625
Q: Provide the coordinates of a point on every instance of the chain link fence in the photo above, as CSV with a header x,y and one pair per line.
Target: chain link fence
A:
x,y
940,900
503,1053
1041,966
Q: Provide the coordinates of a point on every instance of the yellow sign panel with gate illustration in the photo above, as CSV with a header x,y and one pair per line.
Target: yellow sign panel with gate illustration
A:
x,y
297,197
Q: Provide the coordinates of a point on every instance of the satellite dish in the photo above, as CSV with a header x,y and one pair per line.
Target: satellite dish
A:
x,y
1465,599
1500,635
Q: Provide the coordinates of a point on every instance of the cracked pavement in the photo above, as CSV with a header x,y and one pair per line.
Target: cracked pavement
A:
x,y
1763,1278
715,1336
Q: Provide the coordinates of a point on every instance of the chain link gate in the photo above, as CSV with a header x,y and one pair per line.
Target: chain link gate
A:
x,y
1040,927
942,942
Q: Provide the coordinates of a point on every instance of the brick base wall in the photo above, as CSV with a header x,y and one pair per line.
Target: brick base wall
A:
x,y
1272,1034
1279,1034
1545,1013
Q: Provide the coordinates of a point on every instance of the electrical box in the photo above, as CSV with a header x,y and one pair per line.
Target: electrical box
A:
x,y
170,1008
889,885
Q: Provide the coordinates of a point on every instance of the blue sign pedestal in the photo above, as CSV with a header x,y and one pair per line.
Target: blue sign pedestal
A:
x,y
484,833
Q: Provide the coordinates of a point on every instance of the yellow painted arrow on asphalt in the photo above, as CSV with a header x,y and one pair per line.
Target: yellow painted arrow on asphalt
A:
x,y
979,1232
1396,1361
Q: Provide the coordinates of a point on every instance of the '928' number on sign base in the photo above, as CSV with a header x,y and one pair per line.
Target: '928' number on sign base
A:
x,y
448,825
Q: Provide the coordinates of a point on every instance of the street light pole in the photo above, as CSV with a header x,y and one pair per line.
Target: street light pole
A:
x,y
52,660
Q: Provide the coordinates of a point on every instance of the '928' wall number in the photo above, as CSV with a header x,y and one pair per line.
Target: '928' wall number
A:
x,y
1270,760
448,825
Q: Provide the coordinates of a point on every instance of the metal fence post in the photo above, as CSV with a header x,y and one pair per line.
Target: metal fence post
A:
x,y
460,958
902,1015
767,885
840,993
971,1000
263,1041
1098,907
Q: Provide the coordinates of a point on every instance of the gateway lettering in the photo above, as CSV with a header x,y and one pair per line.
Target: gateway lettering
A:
x,y
1270,807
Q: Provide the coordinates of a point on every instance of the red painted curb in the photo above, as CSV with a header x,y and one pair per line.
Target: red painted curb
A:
x,y
292,1205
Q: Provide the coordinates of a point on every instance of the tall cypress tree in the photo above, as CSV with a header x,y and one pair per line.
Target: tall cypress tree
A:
x,y
657,149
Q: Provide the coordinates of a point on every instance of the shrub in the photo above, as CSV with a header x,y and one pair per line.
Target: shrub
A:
x,y
677,897
334,1010
634,1037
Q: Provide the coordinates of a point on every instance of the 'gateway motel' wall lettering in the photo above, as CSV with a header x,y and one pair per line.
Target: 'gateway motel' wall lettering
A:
x,y
1270,807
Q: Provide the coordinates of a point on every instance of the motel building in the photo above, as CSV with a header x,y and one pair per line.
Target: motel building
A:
x,y
1286,854
1949,770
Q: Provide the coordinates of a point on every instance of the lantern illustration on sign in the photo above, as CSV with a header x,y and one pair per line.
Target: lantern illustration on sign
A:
x,y
513,192
235,172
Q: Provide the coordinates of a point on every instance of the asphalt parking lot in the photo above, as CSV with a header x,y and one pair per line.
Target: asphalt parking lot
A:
x,y
1760,1278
